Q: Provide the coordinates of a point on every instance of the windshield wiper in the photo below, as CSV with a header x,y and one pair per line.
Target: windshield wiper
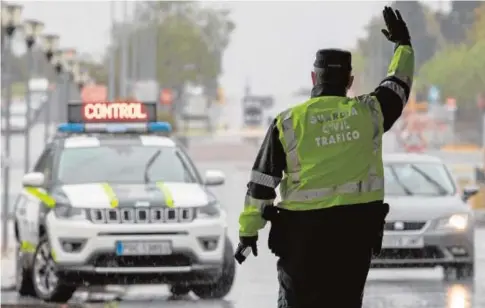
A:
x,y
407,191
149,164
441,190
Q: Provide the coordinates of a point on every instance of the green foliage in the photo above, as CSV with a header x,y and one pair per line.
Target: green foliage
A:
x,y
449,48
459,71
190,40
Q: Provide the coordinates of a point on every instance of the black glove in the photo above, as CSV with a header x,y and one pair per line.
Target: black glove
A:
x,y
397,31
246,242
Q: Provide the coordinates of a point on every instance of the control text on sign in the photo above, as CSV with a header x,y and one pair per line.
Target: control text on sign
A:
x,y
114,112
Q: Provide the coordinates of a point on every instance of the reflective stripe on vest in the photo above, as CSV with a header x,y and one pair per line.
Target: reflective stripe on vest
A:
x,y
396,88
256,204
374,181
293,161
40,194
264,179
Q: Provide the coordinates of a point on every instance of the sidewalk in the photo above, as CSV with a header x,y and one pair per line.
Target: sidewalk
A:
x,y
8,261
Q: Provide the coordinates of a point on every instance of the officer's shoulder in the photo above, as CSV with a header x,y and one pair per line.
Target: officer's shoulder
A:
x,y
287,112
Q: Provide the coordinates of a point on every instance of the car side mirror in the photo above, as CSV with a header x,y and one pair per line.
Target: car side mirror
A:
x,y
214,178
33,179
470,191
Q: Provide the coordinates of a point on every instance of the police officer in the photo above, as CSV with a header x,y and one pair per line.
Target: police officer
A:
x,y
326,155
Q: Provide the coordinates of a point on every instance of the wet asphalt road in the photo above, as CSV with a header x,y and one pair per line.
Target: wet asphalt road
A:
x,y
255,284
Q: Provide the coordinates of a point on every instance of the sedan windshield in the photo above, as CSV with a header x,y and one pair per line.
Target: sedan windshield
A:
x,y
132,164
424,179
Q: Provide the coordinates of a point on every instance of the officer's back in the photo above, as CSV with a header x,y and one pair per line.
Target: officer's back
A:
x,y
326,156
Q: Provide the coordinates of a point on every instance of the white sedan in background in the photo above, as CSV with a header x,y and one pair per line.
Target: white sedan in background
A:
x,y
429,223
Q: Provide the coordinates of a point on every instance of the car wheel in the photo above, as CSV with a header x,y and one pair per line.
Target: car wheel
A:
x,y
48,286
223,284
23,276
459,272
465,271
179,290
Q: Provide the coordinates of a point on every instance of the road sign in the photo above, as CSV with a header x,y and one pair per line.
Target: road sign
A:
x,y
433,94
166,96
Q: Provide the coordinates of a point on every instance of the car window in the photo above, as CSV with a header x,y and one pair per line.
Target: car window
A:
x,y
119,163
424,179
45,162
189,164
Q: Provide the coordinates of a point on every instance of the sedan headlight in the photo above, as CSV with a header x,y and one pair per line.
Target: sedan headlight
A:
x,y
454,222
212,210
68,212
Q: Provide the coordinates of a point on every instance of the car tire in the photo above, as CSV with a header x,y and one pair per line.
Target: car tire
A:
x,y
179,290
223,285
43,265
459,272
23,276
465,271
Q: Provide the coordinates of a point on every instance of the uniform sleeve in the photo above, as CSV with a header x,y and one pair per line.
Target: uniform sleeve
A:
x,y
393,92
266,175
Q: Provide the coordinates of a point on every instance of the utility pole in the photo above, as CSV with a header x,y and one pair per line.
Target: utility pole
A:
x,y
112,54
124,51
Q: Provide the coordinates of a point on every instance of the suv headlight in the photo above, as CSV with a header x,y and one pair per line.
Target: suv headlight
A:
x,y
457,222
66,211
212,210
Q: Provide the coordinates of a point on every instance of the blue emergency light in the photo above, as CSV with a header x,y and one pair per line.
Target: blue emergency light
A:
x,y
150,127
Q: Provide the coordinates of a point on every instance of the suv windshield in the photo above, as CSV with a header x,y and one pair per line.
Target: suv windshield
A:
x,y
424,179
134,164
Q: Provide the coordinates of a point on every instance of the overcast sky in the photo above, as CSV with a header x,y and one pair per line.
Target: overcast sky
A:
x,y
273,45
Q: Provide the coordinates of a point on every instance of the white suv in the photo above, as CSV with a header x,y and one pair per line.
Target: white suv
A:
x,y
120,208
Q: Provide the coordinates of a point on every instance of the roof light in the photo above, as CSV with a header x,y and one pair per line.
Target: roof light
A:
x,y
159,127
115,127
70,128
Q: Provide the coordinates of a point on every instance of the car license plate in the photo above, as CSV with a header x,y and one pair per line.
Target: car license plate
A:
x,y
143,248
392,241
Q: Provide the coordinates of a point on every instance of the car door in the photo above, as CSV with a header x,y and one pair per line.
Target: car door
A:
x,y
29,209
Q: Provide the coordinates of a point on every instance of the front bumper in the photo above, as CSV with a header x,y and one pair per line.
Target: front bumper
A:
x,y
435,248
93,248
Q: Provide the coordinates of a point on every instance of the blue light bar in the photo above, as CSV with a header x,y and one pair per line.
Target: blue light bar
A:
x,y
159,127
152,127
70,128
116,128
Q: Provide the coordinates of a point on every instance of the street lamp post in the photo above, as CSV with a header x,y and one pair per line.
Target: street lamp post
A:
x,y
50,42
83,80
32,29
67,56
76,78
11,15
74,71
58,67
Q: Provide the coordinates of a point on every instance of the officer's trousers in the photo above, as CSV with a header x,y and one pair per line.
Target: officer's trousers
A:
x,y
326,254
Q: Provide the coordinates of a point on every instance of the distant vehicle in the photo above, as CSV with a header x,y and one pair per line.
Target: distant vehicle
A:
x,y
429,223
114,200
253,110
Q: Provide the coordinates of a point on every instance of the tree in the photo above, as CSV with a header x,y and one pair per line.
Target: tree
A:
x,y
378,51
459,70
477,30
454,26
190,40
